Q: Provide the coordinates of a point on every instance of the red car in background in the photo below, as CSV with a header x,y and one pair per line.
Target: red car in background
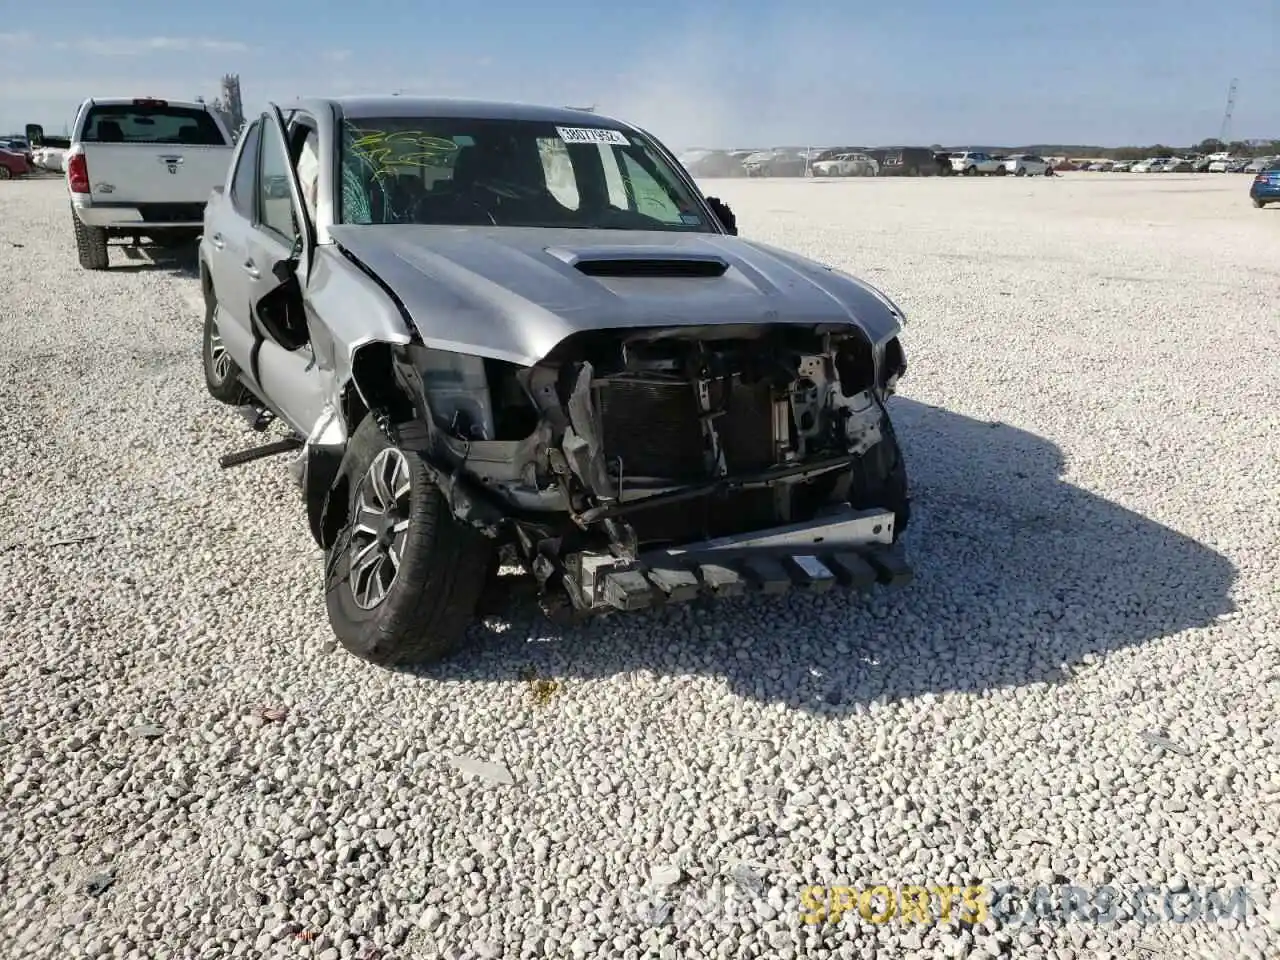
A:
x,y
13,164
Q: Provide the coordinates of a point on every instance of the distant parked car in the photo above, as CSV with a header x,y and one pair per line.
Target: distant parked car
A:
x,y
18,145
13,164
970,163
1222,164
903,161
846,165
786,164
1258,165
1266,185
1178,165
1150,165
1025,165
712,163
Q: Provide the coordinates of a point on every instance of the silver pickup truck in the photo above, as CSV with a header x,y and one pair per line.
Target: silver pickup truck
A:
x,y
501,332
142,167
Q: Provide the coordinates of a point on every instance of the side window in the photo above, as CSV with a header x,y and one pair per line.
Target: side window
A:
x,y
651,199
246,171
275,203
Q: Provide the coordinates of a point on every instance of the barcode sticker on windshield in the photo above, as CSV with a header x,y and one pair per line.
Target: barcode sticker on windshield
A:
x,y
592,135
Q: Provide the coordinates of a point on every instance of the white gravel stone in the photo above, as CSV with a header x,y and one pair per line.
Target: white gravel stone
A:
x,y
1080,687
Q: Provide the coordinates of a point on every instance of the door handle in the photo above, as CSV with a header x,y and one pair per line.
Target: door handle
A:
x,y
252,270
217,241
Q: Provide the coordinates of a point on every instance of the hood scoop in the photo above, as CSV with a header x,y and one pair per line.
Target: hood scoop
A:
x,y
640,262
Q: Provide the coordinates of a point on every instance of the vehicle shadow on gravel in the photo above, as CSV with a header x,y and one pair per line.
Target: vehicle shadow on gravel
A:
x,y
181,261
1020,576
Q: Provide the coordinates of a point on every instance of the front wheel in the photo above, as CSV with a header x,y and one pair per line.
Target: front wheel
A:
x,y
221,373
971,171
5,173
404,577
1259,204
879,479
1001,171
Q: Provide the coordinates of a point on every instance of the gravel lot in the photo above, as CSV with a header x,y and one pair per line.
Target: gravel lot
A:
x,y
1081,686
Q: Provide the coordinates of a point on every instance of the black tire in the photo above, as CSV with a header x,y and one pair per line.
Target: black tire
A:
x,y
1259,204
971,171
879,479
1002,171
91,245
1020,172
221,374
442,573
5,173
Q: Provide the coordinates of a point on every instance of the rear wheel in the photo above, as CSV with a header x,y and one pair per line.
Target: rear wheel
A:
x,y
91,245
1259,204
404,577
5,173
1001,171
971,171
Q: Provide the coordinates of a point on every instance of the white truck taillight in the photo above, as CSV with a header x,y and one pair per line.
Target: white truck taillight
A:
x,y
78,173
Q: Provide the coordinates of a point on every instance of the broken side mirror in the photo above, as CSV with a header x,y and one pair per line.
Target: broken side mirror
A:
x,y
287,269
724,215
281,312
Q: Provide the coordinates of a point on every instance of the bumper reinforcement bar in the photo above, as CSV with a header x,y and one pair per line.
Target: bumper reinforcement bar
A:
x,y
849,549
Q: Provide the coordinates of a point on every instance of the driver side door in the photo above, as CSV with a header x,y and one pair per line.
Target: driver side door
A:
x,y
277,254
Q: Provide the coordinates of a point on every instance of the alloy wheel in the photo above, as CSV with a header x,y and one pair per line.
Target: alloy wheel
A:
x,y
218,356
380,527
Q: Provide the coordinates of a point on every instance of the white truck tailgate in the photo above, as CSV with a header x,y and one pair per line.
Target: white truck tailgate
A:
x,y
154,173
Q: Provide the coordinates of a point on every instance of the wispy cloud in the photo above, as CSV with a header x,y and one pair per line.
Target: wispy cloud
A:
x,y
10,40
337,56
138,46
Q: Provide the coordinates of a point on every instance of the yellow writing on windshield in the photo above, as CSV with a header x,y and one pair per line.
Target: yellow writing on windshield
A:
x,y
383,150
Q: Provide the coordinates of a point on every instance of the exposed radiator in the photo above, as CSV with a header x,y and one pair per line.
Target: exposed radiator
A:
x,y
654,425
746,428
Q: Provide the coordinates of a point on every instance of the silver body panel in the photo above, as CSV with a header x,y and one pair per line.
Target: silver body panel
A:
x,y
513,293
504,293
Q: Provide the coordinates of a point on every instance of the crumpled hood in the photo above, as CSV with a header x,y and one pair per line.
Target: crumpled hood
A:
x,y
514,293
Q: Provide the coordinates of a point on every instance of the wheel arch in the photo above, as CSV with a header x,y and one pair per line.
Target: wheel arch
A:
x,y
377,385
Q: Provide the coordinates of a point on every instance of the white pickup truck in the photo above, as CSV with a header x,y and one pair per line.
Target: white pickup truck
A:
x,y
142,167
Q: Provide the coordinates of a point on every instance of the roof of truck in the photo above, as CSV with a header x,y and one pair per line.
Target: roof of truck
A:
x,y
364,107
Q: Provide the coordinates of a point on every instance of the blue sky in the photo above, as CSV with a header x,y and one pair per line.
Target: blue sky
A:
x,y
698,72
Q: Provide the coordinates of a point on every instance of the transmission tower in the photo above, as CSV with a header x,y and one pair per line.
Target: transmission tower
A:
x,y
231,99
1226,116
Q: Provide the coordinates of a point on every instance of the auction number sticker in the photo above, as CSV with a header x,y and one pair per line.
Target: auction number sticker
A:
x,y
592,135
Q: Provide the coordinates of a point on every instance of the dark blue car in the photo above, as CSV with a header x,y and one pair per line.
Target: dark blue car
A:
x,y
1266,185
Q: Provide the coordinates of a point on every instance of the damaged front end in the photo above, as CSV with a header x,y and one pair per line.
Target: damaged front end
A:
x,y
637,467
